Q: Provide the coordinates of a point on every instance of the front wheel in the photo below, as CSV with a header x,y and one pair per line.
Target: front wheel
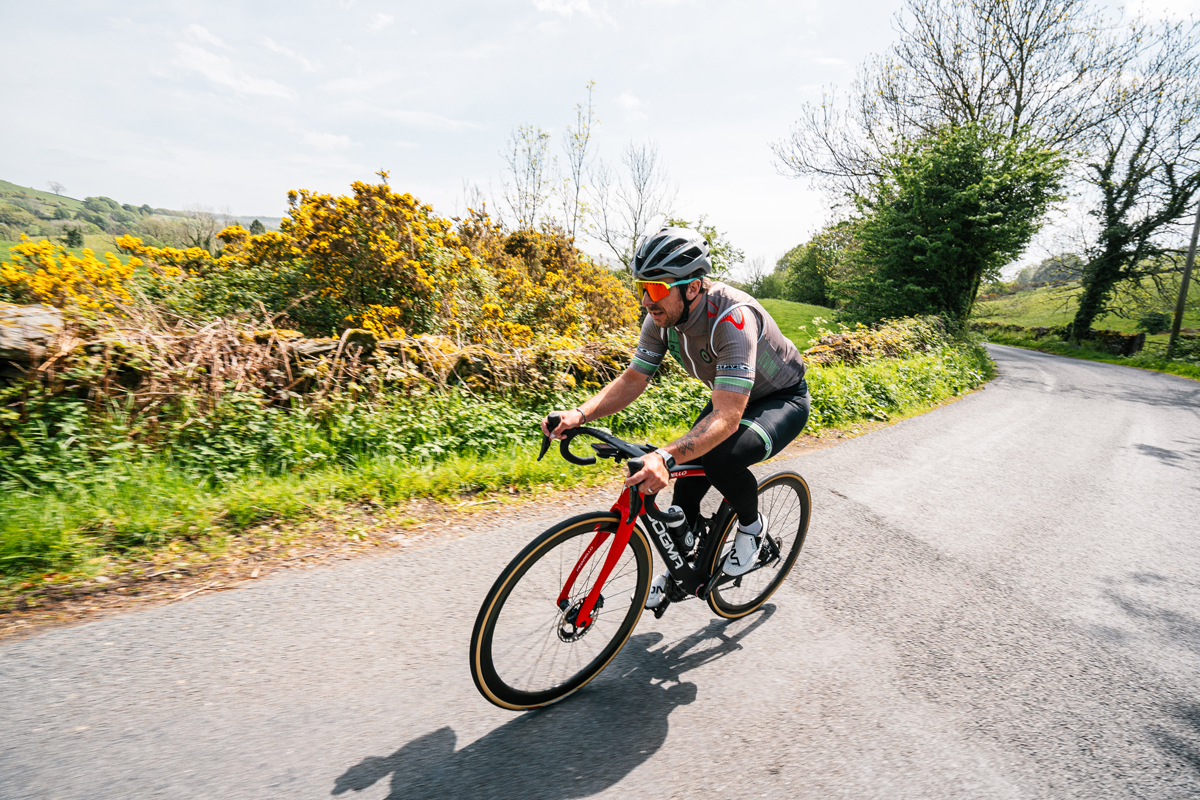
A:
x,y
785,503
526,650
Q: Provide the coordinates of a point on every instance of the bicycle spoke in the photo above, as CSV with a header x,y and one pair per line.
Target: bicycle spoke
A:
x,y
535,649
783,506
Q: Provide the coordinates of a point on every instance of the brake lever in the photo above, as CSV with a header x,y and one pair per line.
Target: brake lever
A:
x,y
635,494
551,423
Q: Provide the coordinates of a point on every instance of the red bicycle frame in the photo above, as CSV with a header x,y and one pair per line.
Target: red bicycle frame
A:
x,y
620,540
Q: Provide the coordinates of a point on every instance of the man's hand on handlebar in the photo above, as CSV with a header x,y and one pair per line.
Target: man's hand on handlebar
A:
x,y
653,475
567,420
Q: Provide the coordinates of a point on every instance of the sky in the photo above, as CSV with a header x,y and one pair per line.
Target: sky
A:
x,y
229,105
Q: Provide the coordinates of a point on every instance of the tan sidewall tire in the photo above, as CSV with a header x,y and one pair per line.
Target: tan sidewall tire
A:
x,y
493,603
792,556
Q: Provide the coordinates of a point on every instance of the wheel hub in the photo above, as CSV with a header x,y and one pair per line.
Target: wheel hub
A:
x,y
569,629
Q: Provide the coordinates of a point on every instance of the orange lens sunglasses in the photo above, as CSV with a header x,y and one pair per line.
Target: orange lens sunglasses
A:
x,y
656,289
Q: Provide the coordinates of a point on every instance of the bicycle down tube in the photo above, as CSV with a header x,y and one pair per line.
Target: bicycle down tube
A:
x,y
691,579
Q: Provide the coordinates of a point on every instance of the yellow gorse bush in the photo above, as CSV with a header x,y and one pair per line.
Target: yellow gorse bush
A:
x,y
542,282
173,261
385,262
377,246
45,272
386,322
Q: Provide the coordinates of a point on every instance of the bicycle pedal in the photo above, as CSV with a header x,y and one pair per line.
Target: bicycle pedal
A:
x,y
661,608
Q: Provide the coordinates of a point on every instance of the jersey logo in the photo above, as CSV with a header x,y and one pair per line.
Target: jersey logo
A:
x,y
707,358
712,309
739,322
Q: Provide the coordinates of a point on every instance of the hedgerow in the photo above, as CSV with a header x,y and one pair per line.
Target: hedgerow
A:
x,y
189,393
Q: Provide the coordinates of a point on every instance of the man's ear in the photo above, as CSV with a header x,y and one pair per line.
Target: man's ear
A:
x,y
697,285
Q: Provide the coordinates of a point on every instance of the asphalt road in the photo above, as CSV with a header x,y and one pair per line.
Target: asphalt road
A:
x,y
999,599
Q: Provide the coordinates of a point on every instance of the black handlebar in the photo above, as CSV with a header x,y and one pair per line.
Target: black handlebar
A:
x,y
626,449
631,451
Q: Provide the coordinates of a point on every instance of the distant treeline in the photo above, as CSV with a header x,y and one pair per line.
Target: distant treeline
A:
x,y
25,211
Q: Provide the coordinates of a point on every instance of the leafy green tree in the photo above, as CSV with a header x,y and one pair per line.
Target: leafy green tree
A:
x,y
1063,267
73,237
721,252
813,271
949,212
257,228
101,205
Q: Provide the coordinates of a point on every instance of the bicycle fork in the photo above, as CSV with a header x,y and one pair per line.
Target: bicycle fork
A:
x,y
620,539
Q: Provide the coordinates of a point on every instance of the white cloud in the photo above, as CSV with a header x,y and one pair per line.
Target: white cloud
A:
x,y
566,8
328,141
274,47
202,34
632,105
1170,8
381,21
220,70
430,121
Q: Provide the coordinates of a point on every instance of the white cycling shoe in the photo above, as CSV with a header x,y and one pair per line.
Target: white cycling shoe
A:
x,y
744,553
658,590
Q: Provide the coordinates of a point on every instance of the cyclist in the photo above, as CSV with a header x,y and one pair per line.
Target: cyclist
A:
x,y
724,338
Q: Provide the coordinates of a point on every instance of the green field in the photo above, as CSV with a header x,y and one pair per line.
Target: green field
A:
x,y
1055,305
796,320
12,189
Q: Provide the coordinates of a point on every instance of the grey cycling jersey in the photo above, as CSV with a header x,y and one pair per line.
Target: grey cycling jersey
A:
x,y
735,346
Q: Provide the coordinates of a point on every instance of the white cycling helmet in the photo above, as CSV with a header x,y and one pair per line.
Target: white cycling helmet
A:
x,y
671,254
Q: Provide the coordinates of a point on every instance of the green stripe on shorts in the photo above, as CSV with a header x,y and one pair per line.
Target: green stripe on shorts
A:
x,y
762,434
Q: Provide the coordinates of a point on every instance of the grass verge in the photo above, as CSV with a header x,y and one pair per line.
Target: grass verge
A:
x,y
87,529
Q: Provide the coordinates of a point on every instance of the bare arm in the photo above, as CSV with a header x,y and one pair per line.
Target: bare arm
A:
x,y
612,398
703,437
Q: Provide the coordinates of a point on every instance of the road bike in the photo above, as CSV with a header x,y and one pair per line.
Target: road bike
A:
x,y
566,604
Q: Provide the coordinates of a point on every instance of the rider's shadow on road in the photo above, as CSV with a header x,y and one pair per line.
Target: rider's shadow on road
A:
x,y
576,748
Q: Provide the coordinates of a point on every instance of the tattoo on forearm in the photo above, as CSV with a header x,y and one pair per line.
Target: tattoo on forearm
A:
x,y
691,440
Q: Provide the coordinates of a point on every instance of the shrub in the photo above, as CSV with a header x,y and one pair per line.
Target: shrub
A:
x,y
891,339
45,272
386,263
1154,322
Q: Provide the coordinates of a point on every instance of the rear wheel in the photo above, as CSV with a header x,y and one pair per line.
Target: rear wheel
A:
x,y
785,503
526,650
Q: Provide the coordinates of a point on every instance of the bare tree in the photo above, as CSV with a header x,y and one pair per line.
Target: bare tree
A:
x,y
625,205
1041,64
575,149
474,198
529,180
56,187
1145,168
201,225
756,271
